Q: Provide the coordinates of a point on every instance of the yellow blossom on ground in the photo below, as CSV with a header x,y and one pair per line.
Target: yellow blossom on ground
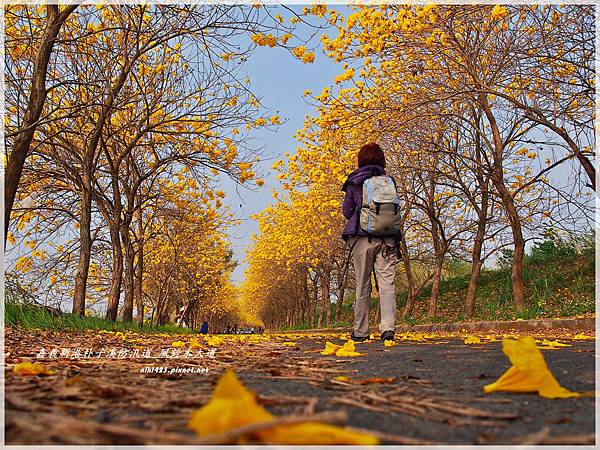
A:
x,y
529,372
341,378
195,344
233,406
178,344
472,340
214,340
330,348
553,344
28,368
581,337
347,349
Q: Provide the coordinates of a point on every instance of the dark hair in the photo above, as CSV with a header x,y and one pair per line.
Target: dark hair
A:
x,y
371,154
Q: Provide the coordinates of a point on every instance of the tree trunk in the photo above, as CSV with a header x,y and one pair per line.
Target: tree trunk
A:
x,y
314,307
139,301
85,248
139,273
476,261
518,284
341,290
340,301
128,274
327,299
473,282
482,213
309,309
435,288
116,278
35,106
410,282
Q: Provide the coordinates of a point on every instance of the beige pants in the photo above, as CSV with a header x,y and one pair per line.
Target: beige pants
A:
x,y
368,255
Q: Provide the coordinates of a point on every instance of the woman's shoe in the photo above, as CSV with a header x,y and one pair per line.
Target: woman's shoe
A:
x,y
387,335
358,339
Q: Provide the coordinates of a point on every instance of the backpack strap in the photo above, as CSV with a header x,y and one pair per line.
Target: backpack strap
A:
x,y
375,278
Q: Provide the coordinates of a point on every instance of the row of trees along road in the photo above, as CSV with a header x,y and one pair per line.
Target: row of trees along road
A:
x,y
121,121
486,115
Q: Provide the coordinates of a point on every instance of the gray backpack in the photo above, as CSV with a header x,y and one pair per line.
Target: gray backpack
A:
x,y
380,210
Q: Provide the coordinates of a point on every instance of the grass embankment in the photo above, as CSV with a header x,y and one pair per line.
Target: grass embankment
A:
x,y
34,317
559,282
560,286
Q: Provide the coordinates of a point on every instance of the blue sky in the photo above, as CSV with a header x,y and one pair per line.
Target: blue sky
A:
x,y
279,80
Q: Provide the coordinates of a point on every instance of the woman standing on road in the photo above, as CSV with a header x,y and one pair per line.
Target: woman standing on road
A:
x,y
369,252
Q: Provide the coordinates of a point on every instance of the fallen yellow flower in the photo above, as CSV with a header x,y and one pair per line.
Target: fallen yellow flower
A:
x,y
330,348
232,406
389,343
415,337
348,349
195,344
27,368
214,340
529,372
553,344
289,344
341,378
178,344
582,336
472,340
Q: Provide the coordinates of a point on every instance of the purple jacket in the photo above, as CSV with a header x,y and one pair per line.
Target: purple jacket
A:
x,y
353,199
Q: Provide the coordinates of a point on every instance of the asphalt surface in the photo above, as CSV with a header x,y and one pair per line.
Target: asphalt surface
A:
x,y
459,371
430,390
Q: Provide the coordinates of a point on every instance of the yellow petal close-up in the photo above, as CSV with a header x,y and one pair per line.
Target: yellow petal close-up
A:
x,y
472,340
195,344
233,406
389,343
27,368
330,348
312,433
582,337
348,349
529,372
554,343
341,378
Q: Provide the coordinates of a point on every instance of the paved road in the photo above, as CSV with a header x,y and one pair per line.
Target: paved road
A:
x,y
456,371
429,391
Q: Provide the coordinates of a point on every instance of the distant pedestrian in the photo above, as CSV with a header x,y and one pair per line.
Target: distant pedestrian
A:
x,y
204,327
